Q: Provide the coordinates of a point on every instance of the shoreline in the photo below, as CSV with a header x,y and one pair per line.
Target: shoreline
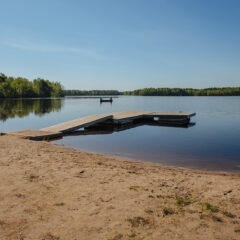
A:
x,y
49,191
153,164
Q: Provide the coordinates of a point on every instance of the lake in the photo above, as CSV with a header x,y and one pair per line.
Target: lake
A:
x,y
213,143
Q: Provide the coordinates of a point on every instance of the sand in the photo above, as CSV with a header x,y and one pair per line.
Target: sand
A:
x,y
51,192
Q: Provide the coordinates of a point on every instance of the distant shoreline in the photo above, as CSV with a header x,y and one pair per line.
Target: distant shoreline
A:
x,y
226,91
19,87
99,96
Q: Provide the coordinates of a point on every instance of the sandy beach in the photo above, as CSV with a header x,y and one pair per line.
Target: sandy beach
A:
x,y
51,192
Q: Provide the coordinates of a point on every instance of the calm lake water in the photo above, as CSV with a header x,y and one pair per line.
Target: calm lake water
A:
x,y
213,143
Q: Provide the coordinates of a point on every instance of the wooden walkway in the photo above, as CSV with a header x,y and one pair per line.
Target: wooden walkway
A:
x,y
111,119
126,116
36,135
172,117
70,126
115,118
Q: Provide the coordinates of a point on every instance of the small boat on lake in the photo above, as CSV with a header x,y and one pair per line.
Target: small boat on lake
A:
x,y
110,99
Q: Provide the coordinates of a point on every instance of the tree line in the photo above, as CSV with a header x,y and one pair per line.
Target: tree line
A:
x,y
227,91
19,87
91,92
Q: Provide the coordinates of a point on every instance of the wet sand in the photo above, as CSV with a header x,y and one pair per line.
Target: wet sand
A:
x,y
51,192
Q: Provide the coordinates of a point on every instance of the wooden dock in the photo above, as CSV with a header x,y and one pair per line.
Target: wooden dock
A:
x,y
172,117
128,116
117,119
100,130
36,135
78,123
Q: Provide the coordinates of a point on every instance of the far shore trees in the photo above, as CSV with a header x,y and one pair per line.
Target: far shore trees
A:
x,y
227,91
19,87
91,92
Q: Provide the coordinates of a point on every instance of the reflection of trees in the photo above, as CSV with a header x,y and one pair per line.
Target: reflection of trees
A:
x,y
11,108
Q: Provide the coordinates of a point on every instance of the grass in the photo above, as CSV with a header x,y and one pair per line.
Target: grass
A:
x,y
228,214
149,211
134,188
117,237
237,230
209,206
169,196
182,202
138,221
168,211
132,235
49,236
150,196
59,204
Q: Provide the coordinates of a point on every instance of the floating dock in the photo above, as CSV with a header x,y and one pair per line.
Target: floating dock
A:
x,y
100,130
78,123
117,120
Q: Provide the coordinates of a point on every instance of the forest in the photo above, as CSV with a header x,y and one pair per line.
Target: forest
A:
x,y
91,92
227,91
19,87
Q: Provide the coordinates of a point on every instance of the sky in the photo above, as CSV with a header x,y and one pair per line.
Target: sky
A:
x,y
122,44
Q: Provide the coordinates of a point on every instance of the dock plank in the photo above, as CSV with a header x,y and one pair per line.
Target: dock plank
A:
x,y
132,115
160,114
36,135
172,117
128,115
78,123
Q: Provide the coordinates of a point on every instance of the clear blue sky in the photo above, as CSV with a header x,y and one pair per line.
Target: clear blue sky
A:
x,y
122,44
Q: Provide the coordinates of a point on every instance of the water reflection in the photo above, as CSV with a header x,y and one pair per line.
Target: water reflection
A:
x,y
12,108
102,128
